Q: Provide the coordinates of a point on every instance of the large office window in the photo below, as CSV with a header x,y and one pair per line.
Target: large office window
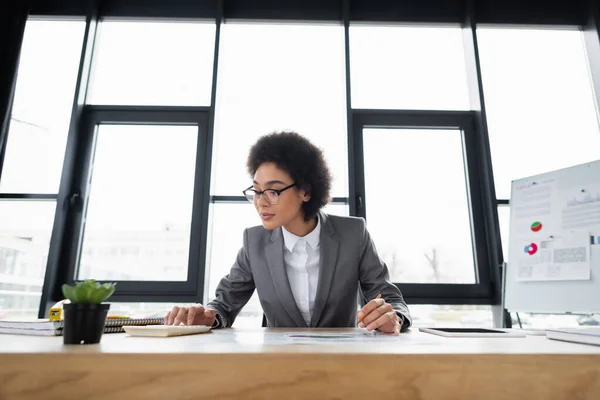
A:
x,y
137,185
418,186
142,209
417,174
539,100
25,228
417,204
272,77
139,213
540,105
42,106
33,161
153,63
408,67
504,220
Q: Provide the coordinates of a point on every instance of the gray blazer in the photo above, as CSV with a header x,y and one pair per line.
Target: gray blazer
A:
x,y
348,261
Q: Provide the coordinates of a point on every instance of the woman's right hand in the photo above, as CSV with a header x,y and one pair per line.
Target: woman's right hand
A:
x,y
194,315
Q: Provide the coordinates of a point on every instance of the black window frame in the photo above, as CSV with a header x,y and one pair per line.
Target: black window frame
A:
x,y
480,292
132,290
62,259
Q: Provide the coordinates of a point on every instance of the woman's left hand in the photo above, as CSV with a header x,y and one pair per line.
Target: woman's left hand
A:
x,y
377,314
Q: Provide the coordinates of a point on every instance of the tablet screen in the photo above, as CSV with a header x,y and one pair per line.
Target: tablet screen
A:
x,y
467,330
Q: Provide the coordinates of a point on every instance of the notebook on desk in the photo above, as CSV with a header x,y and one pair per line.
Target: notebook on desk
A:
x,y
575,335
51,332
45,327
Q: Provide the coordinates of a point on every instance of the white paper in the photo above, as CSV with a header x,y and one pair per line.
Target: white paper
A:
x,y
534,199
581,207
562,258
337,337
531,203
340,338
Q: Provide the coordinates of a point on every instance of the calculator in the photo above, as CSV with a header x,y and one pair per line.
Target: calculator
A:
x,y
165,330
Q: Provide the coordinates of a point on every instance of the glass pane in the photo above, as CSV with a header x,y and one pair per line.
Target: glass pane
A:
x,y
553,321
449,316
25,230
539,101
142,310
407,67
504,221
417,204
226,226
337,209
279,77
140,203
42,106
153,63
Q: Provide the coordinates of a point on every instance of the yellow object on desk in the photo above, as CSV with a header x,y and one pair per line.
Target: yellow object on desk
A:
x,y
55,314
56,311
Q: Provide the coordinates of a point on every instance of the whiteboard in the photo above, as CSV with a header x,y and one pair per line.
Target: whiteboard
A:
x,y
567,200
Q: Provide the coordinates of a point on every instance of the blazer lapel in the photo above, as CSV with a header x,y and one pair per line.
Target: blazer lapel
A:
x,y
328,261
274,254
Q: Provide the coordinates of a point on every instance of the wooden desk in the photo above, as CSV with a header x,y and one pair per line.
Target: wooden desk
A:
x,y
236,364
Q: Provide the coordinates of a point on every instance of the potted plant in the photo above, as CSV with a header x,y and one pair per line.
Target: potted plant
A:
x,y
85,315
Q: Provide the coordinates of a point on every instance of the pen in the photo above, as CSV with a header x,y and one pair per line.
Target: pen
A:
x,y
378,297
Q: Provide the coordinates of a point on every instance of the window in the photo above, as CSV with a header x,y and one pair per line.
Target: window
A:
x,y
540,106
33,162
140,204
504,220
417,205
142,180
407,67
448,316
279,77
42,106
417,180
272,77
552,321
226,226
142,310
25,229
153,63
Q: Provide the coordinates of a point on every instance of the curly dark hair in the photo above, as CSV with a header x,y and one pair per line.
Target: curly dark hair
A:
x,y
301,159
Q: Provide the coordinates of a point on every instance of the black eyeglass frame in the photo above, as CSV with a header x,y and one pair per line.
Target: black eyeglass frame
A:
x,y
261,193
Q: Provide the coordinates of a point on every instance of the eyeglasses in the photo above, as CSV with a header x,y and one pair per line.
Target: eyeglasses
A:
x,y
271,195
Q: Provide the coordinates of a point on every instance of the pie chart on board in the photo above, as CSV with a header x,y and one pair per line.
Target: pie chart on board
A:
x,y
536,226
531,249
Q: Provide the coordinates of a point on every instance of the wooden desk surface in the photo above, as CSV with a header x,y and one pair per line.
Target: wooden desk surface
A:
x,y
236,364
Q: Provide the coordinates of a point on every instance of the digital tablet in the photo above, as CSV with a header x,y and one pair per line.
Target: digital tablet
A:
x,y
472,332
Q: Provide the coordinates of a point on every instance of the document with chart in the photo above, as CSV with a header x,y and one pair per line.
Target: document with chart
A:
x,y
553,226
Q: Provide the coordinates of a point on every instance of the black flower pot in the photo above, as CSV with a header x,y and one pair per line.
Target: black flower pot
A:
x,y
84,323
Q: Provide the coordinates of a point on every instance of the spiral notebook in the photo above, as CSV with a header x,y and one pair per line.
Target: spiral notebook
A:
x,y
45,327
52,332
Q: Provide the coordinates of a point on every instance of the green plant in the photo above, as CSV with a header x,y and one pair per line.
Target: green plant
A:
x,y
88,292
